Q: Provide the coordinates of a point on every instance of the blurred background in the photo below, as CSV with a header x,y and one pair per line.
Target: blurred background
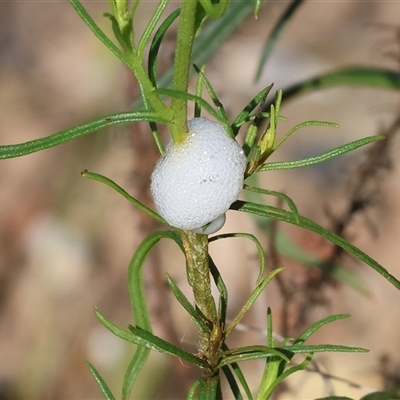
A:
x,y
66,242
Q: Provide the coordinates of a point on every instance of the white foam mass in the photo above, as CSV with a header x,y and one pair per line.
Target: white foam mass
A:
x,y
195,182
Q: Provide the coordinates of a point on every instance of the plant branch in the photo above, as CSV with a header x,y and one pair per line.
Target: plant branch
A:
x,y
147,89
198,273
184,45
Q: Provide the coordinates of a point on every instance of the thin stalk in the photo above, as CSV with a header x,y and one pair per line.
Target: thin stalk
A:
x,y
271,370
184,44
146,87
151,26
210,388
270,374
198,273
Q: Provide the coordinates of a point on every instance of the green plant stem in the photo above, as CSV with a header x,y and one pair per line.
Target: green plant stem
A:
x,y
198,273
210,388
151,26
211,336
270,374
271,370
183,55
147,89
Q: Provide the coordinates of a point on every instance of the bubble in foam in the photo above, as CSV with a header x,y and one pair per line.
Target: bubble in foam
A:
x,y
195,182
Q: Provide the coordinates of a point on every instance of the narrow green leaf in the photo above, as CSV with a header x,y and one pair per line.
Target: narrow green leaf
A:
x,y
276,33
252,152
153,125
243,116
115,28
139,304
150,26
185,303
135,279
303,125
88,20
286,216
270,331
199,92
390,395
357,76
138,360
147,339
215,99
155,343
291,250
223,297
338,398
117,188
272,366
248,353
134,367
210,388
192,391
232,382
22,149
121,333
123,40
215,9
254,349
317,325
134,8
253,297
102,384
191,97
156,44
279,195
254,239
304,162
300,367
279,379
257,8
152,67
239,374
322,348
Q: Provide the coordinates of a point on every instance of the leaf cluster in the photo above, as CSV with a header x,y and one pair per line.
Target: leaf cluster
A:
x,y
278,358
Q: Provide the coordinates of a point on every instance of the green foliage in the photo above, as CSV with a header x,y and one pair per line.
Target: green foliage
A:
x,y
102,384
208,315
286,216
347,77
22,149
382,396
305,162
